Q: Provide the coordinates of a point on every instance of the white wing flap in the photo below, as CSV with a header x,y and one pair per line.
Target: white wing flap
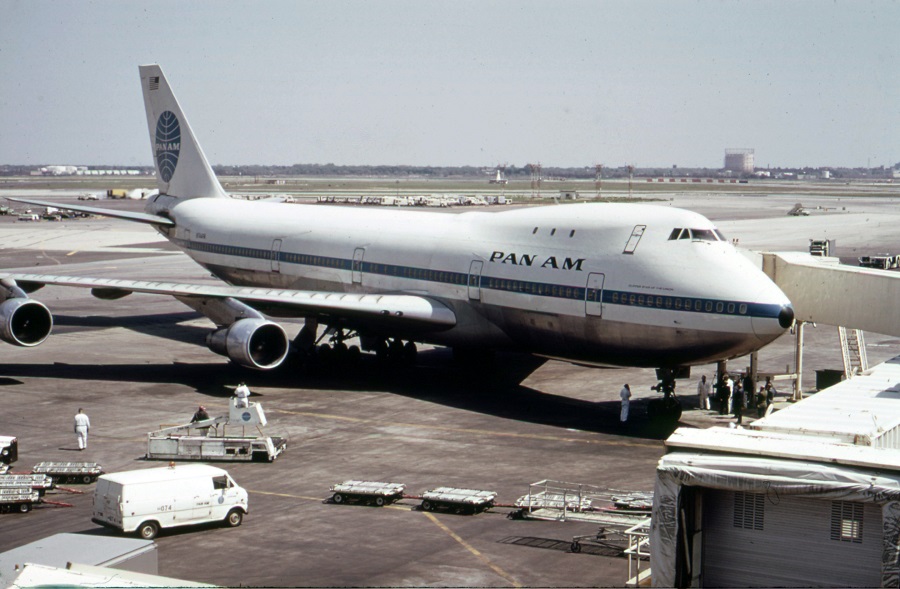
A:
x,y
407,309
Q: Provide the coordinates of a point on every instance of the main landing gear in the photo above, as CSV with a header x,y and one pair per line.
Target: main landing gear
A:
x,y
669,407
331,348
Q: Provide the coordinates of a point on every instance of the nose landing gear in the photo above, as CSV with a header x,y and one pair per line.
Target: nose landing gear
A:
x,y
669,407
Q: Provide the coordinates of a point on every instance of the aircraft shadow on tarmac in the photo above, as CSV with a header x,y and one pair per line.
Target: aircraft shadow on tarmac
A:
x,y
167,325
491,387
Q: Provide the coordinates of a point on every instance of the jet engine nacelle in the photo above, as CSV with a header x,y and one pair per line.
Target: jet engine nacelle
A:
x,y
253,343
24,322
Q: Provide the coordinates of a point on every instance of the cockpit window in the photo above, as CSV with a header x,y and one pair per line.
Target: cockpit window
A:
x,y
699,234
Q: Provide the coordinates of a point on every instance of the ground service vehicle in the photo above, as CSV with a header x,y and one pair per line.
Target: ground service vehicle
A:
x,y
146,501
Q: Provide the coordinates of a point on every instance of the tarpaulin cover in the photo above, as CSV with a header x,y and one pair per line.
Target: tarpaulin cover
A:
x,y
769,476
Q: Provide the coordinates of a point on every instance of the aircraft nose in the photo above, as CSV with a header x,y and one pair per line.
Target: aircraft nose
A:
x,y
786,316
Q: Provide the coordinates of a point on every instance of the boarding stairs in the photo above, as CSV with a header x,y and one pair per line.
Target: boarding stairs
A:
x,y
853,351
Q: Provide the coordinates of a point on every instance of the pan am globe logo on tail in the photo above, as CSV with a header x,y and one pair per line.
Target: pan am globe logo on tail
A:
x,y
168,144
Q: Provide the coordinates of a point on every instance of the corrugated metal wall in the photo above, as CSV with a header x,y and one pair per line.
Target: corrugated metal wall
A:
x,y
770,541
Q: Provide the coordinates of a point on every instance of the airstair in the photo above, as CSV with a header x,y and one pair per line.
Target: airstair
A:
x,y
853,350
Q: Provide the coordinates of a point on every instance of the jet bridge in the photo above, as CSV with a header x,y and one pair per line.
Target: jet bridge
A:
x,y
822,290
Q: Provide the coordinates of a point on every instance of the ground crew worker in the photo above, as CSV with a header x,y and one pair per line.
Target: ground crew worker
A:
x,y
241,393
82,425
703,390
200,415
625,393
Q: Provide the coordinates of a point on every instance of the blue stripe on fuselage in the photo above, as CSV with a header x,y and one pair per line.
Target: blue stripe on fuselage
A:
x,y
543,289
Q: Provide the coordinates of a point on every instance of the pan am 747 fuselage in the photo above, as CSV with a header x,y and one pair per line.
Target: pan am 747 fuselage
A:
x,y
592,283
603,284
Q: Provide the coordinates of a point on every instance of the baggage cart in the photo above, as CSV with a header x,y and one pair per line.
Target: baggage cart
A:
x,y
458,500
18,499
69,472
37,482
373,492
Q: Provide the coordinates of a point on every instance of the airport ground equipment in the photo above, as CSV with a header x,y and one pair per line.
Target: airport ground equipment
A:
x,y
882,261
372,492
69,472
18,499
36,482
9,449
150,499
458,500
210,440
562,501
821,247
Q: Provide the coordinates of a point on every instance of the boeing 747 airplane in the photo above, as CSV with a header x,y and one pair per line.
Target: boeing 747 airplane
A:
x,y
599,284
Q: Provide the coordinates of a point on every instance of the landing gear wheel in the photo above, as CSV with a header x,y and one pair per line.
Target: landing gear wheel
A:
x,y
148,530
409,353
395,350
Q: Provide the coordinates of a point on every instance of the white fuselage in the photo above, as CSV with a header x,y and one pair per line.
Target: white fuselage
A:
x,y
604,284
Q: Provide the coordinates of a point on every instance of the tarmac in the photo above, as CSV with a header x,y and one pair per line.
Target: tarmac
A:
x,y
139,363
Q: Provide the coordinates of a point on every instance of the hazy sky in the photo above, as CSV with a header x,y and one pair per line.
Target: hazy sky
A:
x,y
653,83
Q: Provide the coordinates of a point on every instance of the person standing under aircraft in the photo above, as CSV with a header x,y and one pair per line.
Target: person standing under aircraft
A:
x,y
241,393
737,401
703,390
82,425
625,393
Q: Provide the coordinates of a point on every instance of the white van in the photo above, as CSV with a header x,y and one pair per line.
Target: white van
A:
x,y
148,500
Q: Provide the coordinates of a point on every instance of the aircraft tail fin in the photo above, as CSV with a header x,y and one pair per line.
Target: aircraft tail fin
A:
x,y
182,170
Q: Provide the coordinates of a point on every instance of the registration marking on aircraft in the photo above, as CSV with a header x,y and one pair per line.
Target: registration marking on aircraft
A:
x,y
483,432
473,550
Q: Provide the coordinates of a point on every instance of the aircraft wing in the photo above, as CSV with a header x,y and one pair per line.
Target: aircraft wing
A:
x,y
128,215
409,312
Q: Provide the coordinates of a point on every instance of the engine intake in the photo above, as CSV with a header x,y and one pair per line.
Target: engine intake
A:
x,y
24,322
253,343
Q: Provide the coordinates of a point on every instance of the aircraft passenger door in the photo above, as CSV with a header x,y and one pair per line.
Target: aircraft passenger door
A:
x,y
593,295
475,280
636,235
356,273
276,252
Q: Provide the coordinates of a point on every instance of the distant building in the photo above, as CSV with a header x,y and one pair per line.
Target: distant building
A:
x,y
739,160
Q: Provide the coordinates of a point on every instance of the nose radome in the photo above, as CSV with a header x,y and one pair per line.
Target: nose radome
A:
x,y
786,316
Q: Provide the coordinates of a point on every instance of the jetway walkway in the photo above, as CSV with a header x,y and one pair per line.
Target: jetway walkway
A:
x,y
822,290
